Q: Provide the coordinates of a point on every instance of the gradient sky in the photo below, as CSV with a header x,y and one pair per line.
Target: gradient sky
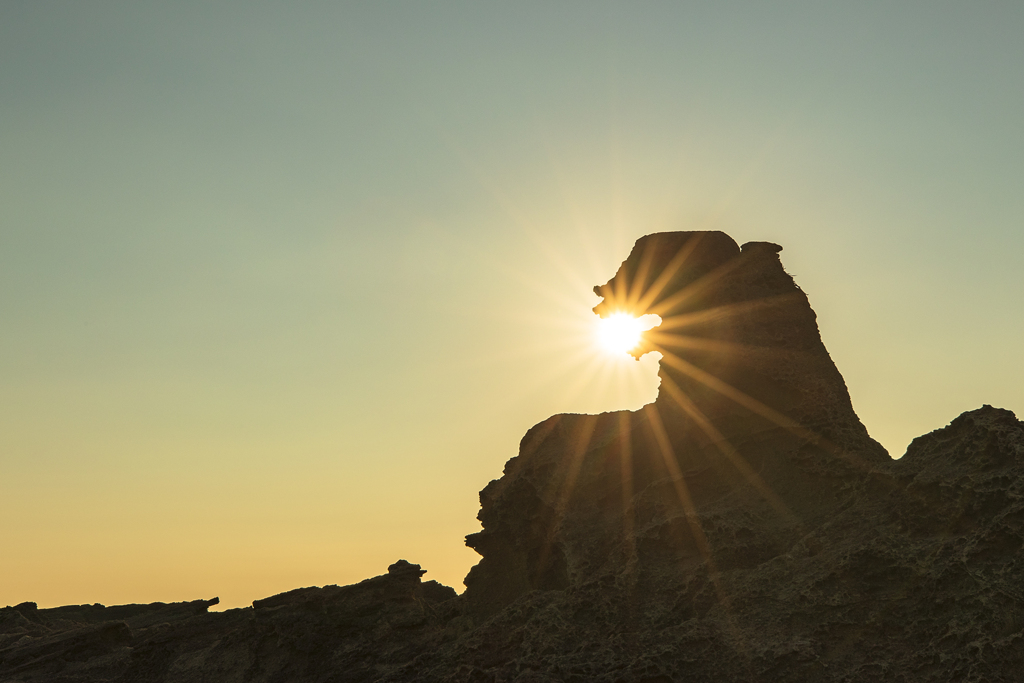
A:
x,y
282,287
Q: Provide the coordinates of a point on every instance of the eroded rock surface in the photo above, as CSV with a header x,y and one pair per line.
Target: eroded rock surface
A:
x,y
335,633
744,527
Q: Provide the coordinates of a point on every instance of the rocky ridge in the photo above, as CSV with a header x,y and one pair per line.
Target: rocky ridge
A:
x,y
744,527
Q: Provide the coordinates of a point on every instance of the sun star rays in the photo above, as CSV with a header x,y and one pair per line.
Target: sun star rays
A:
x,y
687,326
694,338
576,367
708,340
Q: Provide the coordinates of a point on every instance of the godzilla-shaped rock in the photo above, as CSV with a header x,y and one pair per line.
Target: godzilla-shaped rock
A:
x,y
752,441
743,527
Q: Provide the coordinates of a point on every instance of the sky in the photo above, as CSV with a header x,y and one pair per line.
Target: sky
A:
x,y
283,285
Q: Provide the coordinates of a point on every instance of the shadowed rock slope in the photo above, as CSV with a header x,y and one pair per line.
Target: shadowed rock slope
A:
x,y
744,527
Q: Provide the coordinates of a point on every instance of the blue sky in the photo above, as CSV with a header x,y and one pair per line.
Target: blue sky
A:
x,y
282,286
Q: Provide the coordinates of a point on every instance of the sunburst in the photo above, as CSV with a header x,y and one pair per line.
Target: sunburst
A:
x,y
637,320
620,333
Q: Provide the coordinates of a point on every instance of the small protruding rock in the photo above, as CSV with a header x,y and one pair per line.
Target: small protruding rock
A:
x,y
403,569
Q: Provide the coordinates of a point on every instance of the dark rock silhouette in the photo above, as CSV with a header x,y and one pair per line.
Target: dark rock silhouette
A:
x,y
744,527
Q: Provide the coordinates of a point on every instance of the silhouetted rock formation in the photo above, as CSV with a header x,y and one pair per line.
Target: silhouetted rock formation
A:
x,y
752,439
347,633
744,527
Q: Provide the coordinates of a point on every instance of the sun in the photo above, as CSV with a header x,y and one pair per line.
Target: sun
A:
x,y
619,333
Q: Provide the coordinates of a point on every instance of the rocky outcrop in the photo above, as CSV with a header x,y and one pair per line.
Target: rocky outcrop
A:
x,y
335,633
752,435
744,527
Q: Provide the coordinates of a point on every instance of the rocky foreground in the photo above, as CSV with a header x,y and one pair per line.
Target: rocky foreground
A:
x,y
744,527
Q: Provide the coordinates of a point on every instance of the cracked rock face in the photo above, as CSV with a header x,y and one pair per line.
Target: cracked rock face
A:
x,y
744,527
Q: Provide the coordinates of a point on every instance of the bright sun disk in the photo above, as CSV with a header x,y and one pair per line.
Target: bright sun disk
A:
x,y
619,332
